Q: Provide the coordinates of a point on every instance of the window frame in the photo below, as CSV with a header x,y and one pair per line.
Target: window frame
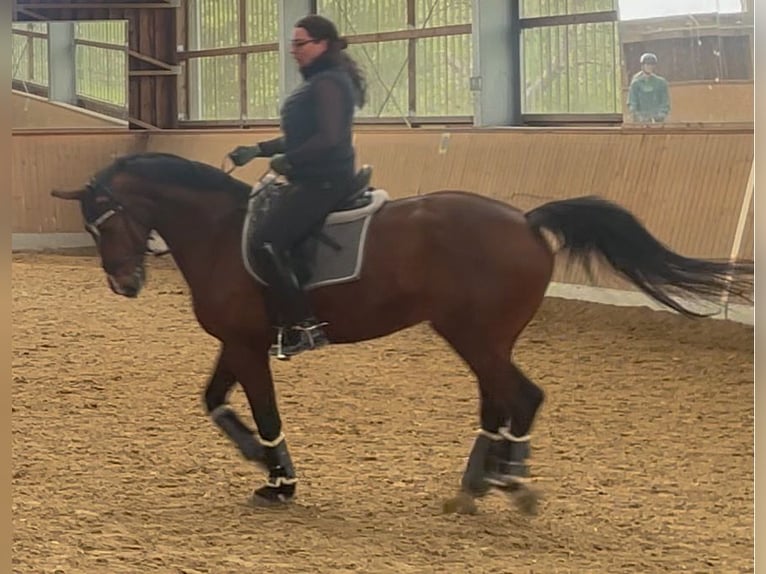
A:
x,y
562,119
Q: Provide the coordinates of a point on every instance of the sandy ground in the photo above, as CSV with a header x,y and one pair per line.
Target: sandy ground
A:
x,y
643,450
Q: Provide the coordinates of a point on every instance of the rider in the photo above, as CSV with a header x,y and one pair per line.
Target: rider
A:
x,y
316,155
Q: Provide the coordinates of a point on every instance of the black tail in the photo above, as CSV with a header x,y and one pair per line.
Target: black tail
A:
x,y
588,226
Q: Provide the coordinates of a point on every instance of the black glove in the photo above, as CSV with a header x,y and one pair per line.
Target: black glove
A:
x,y
280,164
244,153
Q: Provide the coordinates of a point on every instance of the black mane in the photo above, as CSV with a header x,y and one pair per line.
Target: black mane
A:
x,y
171,169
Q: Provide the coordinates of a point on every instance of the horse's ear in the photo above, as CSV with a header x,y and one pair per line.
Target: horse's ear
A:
x,y
74,194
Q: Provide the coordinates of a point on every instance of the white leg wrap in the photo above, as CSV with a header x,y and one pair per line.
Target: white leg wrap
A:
x,y
280,480
506,481
505,432
270,443
490,435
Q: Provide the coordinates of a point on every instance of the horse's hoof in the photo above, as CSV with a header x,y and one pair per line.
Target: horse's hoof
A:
x,y
526,499
272,496
463,503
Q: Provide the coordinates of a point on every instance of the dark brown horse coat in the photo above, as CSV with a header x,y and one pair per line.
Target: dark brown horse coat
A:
x,y
476,269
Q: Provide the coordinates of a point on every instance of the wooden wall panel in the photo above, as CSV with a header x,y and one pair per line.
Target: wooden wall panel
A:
x,y
707,102
212,147
33,112
686,186
42,162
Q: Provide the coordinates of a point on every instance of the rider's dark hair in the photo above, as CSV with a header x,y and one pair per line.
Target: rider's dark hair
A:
x,y
320,28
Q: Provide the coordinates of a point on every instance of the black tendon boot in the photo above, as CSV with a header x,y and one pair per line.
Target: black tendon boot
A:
x,y
282,481
305,331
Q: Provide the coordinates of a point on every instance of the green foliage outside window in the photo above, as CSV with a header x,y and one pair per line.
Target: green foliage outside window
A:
x,y
565,69
572,68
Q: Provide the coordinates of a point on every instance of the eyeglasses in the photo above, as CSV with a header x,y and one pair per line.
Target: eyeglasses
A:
x,y
301,43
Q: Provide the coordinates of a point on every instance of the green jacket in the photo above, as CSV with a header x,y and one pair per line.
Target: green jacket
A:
x,y
649,98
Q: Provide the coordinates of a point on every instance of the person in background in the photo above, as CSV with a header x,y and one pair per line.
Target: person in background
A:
x,y
317,156
648,96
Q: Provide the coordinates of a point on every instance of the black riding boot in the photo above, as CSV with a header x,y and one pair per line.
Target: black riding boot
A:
x,y
303,331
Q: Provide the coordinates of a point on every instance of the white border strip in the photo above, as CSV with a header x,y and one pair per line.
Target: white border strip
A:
x,y
744,208
41,241
622,298
740,231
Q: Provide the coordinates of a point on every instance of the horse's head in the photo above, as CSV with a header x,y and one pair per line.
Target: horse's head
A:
x,y
120,231
139,193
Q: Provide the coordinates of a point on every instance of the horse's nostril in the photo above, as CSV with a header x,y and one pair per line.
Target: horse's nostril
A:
x,y
129,288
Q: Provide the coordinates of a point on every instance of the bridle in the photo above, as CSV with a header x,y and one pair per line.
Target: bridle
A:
x,y
113,207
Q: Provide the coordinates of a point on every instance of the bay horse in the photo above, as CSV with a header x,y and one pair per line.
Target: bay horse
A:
x,y
475,268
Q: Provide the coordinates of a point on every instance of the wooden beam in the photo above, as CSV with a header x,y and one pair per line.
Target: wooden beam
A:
x,y
30,33
182,25
250,49
243,103
30,13
152,73
139,123
570,119
146,109
453,30
80,41
102,45
98,5
569,19
152,61
628,36
361,121
412,56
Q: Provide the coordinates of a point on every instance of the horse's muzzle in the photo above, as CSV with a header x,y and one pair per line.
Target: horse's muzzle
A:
x,y
128,285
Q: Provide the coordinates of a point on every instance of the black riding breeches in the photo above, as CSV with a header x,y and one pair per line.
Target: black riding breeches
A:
x,y
301,209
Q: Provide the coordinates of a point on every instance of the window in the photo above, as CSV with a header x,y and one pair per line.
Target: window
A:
x,y
570,57
100,64
102,61
416,54
231,61
30,53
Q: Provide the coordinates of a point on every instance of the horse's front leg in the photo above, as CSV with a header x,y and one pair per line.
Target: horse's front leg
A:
x,y
220,412
250,363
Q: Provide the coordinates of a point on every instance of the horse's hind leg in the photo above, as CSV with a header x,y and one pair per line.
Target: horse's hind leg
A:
x,y
509,402
506,465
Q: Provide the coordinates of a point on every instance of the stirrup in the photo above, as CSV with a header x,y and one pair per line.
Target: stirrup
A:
x,y
309,338
316,328
276,350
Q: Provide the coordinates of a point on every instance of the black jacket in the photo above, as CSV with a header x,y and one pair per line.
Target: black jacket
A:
x,y
317,121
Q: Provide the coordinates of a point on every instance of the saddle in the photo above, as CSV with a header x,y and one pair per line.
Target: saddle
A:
x,y
334,252
361,195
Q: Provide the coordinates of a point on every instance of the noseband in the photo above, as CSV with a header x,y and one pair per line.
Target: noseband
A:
x,y
113,207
